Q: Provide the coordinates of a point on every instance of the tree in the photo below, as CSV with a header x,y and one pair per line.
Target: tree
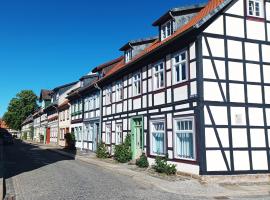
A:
x,y
19,108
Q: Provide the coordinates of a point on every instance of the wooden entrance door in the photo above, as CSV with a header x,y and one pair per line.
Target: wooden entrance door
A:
x,y
137,137
48,135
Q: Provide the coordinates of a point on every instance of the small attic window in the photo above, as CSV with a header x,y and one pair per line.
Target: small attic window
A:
x,y
166,30
128,55
255,8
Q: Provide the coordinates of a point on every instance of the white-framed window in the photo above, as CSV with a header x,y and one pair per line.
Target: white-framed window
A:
x,y
255,8
128,55
158,75
118,134
91,132
80,105
108,134
136,84
85,133
166,30
158,137
184,134
180,67
68,114
86,105
97,100
119,91
72,108
108,95
91,103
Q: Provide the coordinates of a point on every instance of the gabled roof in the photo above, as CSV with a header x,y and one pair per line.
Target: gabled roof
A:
x,y
112,62
45,94
63,86
178,11
93,75
138,42
211,9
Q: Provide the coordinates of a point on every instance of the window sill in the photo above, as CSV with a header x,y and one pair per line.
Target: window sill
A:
x,y
157,90
257,19
186,159
136,96
179,84
160,155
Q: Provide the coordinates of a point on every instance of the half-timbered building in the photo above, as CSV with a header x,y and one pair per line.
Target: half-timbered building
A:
x,y
91,96
27,128
200,93
76,101
58,95
44,100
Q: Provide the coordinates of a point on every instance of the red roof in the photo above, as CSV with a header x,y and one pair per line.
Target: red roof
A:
x,y
100,67
210,7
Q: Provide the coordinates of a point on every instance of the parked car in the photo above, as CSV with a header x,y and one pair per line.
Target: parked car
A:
x,y
7,138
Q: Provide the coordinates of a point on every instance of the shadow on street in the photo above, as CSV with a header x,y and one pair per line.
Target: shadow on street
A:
x,y
23,157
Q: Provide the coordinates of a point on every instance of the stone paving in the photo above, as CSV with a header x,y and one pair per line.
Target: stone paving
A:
x,y
63,175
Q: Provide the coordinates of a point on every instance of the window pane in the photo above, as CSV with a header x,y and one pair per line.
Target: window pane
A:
x,y
177,73
176,59
257,9
183,56
158,143
184,76
184,142
161,79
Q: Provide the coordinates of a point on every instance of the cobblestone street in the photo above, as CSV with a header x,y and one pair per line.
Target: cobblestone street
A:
x,y
36,173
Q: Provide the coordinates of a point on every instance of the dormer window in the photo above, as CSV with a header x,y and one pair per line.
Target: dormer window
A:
x,y
166,30
128,55
255,8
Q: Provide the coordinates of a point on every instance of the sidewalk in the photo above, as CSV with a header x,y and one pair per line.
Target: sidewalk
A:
x,y
182,185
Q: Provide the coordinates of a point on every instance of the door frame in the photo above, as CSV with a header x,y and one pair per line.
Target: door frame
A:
x,y
133,141
96,127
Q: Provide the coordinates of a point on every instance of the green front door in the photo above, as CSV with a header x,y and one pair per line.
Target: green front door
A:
x,y
137,137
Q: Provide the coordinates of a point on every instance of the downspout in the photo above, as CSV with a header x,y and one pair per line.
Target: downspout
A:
x,y
100,111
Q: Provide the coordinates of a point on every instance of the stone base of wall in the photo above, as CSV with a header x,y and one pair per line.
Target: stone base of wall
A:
x,y
246,178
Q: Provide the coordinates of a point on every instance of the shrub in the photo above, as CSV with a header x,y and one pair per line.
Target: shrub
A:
x,y
161,166
24,136
70,140
142,162
102,151
122,152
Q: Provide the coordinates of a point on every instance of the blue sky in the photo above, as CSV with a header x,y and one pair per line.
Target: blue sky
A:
x,y
44,44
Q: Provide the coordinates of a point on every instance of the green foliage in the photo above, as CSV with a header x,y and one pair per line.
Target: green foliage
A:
x,y
142,162
24,136
20,107
102,151
161,166
122,152
70,140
